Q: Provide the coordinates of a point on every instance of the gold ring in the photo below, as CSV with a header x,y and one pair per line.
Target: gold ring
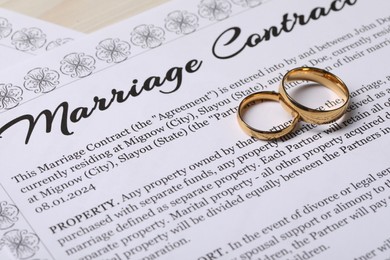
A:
x,y
327,79
260,134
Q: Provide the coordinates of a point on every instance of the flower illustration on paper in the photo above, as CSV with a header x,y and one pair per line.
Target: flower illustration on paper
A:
x,y
113,50
56,43
215,9
5,28
77,65
247,3
28,39
8,215
21,243
181,22
147,36
10,96
41,80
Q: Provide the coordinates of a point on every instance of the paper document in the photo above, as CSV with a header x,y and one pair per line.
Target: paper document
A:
x,y
128,146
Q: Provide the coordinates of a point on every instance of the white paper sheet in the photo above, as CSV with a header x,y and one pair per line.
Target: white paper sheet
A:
x,y
166,173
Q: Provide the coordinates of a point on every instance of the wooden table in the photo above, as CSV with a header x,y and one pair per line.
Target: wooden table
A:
x,y
81,15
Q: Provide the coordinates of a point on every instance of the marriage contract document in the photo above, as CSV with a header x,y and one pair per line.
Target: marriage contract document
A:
x,y
126,145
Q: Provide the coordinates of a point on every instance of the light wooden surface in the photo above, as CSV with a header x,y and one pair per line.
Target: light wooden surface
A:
x,y
81,15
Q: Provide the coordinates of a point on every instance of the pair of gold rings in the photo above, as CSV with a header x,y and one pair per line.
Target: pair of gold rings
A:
x,y
297,110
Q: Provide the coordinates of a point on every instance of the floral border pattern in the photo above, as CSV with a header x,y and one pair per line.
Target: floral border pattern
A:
x,y
113,50
147,36
10,96
247,3
58,42
5,28
41,80
78,65
215,9
181,22
9,215
20,242
28,39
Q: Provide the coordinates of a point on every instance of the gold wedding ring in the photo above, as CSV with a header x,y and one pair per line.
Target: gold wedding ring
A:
x,y
327,79
260,134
